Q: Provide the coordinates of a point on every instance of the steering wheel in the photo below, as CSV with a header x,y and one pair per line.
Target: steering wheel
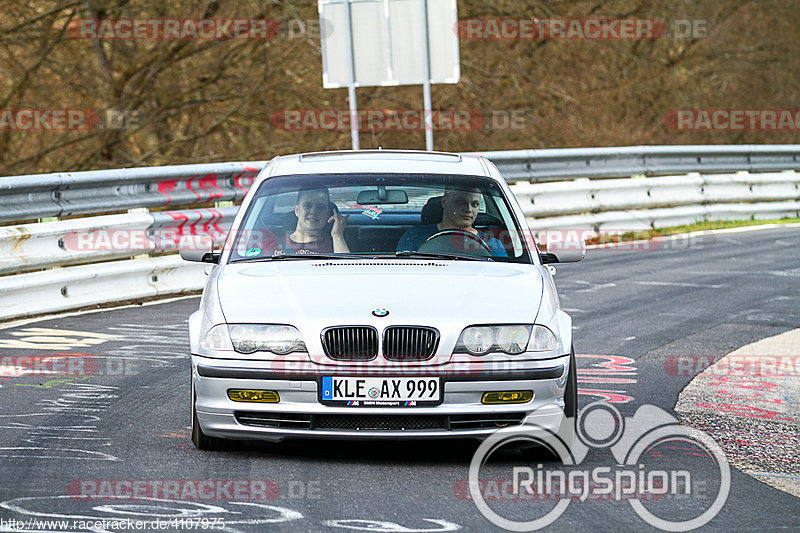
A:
x,y
461,233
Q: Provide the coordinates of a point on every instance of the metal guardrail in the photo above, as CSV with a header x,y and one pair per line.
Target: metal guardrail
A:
x,y
643,203
568,163
101,191
78,241
49,291
85,271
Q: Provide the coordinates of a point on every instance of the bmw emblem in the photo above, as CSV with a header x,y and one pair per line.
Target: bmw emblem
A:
x,y
380,312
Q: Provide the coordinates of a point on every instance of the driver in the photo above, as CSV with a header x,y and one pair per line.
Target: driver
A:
x,y
459,211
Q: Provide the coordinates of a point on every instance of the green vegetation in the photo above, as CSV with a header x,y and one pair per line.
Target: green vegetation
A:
x,y
708,225
174,101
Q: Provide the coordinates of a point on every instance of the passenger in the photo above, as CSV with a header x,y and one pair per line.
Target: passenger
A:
x,y
314,210
459,210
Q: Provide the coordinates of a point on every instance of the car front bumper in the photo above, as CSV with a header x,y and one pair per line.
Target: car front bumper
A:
x,y
299,413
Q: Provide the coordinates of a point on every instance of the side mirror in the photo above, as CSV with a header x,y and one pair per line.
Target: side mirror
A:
x,y
559,252
198,248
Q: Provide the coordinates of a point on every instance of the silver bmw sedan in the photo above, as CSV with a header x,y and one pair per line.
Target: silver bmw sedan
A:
x,y
378,294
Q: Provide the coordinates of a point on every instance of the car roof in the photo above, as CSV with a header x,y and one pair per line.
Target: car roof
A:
x,y
387,161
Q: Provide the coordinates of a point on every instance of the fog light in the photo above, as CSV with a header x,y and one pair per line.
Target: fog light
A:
x,y
261,396
516,396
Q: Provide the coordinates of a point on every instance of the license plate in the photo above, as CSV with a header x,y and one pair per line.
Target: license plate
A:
x,y
380,391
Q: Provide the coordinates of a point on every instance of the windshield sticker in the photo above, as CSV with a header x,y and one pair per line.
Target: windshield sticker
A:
x,y
252,252
372,211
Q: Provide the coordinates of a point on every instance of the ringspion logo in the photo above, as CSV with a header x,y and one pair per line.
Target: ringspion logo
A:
x,y
641,470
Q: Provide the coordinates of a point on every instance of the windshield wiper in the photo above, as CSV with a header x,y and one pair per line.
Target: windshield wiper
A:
x,y
403,253
439,255
313,256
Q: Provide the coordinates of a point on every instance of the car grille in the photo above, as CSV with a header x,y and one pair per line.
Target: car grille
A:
x,y
381,422
483,421
409,343
274,420
350,343
365,422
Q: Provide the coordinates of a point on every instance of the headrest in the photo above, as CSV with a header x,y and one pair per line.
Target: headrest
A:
x,y
433,211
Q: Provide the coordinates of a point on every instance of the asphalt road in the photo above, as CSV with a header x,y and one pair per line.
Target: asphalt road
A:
x,y
120,420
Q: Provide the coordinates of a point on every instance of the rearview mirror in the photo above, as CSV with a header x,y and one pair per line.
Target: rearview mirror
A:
x,y
382,196
198,248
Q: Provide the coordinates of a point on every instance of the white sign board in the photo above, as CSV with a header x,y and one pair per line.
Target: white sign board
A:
x,y
388,42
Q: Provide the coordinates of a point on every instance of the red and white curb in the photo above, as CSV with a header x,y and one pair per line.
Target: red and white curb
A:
x,y
749,402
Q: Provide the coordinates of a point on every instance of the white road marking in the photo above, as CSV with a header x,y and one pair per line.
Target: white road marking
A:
x,y
78,399
54,339
390,527
679,284
595,286
37,452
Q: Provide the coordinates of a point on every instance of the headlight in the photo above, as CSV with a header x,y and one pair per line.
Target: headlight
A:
x,y
278,339
513,339
217,339
480,340
542,340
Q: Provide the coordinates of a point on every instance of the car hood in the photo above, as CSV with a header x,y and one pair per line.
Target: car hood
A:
x,y
319,294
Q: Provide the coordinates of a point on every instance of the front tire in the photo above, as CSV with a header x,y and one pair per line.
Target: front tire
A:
x,y
571,394
569,423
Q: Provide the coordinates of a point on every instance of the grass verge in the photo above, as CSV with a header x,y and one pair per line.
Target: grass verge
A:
x,y
604,238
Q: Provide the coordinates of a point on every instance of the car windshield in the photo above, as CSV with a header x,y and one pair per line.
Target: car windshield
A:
x,y
387,215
